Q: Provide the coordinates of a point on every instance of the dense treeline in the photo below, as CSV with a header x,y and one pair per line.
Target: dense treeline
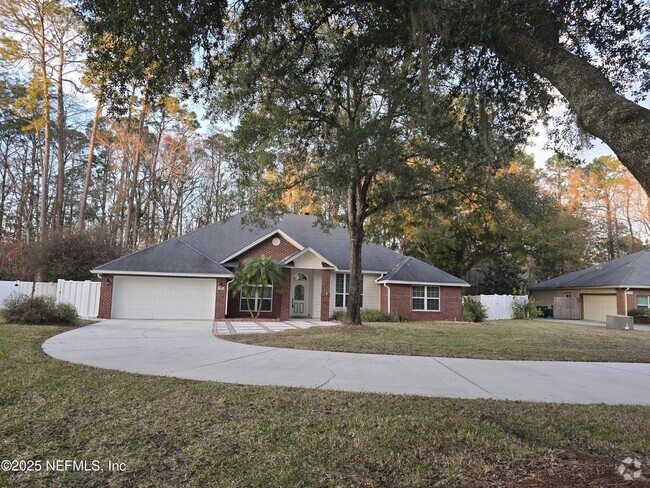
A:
x,y
80,162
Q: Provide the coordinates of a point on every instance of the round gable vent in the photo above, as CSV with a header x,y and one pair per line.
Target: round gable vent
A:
x,y
275,241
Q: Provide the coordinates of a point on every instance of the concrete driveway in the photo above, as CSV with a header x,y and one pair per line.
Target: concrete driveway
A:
x,y
189,349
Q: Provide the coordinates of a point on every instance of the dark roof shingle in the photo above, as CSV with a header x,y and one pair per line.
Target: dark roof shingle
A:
x,y
632,270
202,250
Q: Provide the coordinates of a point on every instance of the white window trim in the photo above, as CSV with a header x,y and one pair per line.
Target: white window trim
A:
x,y
255,299
647,297
426,299
346,291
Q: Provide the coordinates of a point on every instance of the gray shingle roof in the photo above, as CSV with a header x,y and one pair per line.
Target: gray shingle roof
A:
x,y
632,270
202,250
413,270
173,256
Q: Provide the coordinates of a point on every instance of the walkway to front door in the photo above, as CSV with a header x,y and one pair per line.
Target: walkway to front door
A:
x,y
227,327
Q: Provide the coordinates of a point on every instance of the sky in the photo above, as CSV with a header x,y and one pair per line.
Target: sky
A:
x,y
536,146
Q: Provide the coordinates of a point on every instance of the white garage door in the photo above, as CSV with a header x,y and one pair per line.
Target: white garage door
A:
x,y
596,307
136,297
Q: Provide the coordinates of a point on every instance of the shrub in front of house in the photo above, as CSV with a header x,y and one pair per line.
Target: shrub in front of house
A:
x,y
640,315
373,315
23,309
473,311
527,311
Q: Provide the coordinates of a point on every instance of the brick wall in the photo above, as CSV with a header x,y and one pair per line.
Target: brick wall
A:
x,y
451,304
106,297
631,299
281,298
220,299
284,296
325,294
279,308
383,298
234,312
279,252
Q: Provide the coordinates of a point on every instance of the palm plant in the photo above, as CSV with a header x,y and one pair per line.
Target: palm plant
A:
x,y
251,279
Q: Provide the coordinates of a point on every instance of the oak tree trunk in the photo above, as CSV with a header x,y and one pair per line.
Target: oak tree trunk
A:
x,y
355,217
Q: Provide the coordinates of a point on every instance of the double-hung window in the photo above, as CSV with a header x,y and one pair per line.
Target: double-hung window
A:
x,y
261,297
642,301
342,291
426,298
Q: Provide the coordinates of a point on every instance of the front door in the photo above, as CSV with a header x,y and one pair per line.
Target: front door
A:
x,y
298,302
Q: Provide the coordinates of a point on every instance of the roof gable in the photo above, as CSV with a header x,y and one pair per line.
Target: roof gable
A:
x,y
307,258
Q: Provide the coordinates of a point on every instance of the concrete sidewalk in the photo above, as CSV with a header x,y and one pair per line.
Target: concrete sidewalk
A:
x,y
188,349
230,327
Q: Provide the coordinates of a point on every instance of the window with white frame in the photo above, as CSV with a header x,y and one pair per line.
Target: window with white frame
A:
x,y
426,298
642,301
342,291
261,297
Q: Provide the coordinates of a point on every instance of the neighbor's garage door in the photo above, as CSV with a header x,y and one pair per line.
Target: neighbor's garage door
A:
x,y
137,297
596,307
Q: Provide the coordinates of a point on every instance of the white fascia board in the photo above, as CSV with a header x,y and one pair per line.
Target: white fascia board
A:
x,y
156,273
423,283
304,251
260,240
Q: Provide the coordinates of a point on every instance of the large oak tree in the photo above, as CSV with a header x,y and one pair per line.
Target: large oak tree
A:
x,y
348,123
594,54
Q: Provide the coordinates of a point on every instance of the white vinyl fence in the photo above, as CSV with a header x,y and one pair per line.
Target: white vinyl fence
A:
x,y
25,288
83,295
499,307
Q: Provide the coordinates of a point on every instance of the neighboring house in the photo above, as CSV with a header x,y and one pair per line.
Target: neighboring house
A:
x,y
606,289
187,277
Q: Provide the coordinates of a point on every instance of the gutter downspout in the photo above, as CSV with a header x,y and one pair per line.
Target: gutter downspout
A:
x,y
388,288
626,290
225,312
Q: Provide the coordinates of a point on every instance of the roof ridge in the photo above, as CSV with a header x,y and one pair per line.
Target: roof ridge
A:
x,y
633,261
213,223
197,251
138,251
399,265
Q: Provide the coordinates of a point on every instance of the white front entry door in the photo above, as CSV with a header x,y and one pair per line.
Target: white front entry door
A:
x,y
299,296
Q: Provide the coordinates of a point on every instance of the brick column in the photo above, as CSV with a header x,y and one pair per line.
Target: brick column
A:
x,y
383,298
325,295
620,302
106,297
285,297
221,298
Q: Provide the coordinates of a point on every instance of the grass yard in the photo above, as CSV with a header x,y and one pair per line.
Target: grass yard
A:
x,y
173,432
510,339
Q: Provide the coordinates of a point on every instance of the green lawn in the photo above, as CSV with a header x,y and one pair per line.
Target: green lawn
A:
x,y
173,432
509,339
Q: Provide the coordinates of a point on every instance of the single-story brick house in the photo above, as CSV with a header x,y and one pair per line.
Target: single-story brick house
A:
x,y
611,288
187,277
